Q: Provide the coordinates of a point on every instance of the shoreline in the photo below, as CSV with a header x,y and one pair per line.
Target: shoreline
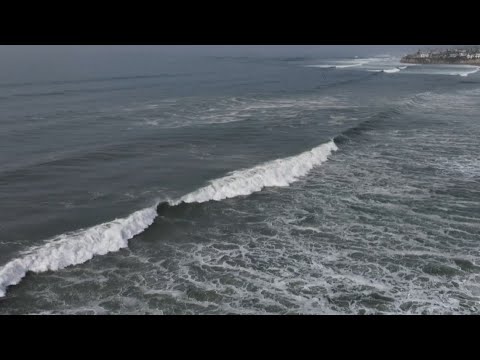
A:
x,y
424,61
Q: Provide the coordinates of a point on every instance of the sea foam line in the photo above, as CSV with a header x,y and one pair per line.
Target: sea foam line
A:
x,y
80,246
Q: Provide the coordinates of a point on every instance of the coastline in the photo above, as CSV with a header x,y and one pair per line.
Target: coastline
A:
x,y
438,61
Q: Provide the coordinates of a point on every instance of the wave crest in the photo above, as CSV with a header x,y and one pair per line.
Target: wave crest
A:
x,y
80,246
77,247
281,172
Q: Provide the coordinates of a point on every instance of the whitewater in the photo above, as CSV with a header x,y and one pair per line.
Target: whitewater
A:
x,y
80,246
126,189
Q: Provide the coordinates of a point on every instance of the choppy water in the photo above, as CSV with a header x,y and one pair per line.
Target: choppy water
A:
x,y
243,185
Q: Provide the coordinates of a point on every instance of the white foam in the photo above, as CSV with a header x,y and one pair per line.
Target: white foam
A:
x,y
391,71
465,74
382,64
82,245
343,64
328,66
451,70
387,71
281,172
76,248
349,65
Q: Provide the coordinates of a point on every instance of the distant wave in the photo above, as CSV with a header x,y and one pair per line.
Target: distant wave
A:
x,y
349,65
466,73
387,71
322,66
452,70
357,62
82,245
343,64
391,71
463,72
93,80
335,66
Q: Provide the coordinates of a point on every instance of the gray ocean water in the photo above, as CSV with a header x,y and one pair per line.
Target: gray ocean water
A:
x,y
242,184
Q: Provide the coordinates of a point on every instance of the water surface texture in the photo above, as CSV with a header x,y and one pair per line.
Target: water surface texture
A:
x,y
319,183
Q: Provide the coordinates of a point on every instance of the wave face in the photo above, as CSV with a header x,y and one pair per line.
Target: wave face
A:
x,y
76,248
281,172
81,246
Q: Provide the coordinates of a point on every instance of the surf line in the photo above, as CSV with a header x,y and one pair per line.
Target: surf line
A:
x,y
82,245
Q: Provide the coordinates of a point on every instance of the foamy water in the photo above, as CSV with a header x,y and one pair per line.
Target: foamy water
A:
x,y
80,246
212,185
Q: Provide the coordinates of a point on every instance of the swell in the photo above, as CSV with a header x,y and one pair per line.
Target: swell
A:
x,y
94,80
367,125
114,85
82,245
79,157
90,90
375,121
369,75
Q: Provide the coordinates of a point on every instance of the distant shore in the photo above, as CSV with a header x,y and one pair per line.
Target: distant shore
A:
x,y
416,60
449,57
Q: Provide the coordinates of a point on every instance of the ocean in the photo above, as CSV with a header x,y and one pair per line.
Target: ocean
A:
x,y
242,184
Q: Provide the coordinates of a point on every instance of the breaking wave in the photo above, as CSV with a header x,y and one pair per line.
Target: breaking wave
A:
x,y
388,71
391,71
77,247
337,66
281,172
82,245
454,70
349,65
343,64
465,73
